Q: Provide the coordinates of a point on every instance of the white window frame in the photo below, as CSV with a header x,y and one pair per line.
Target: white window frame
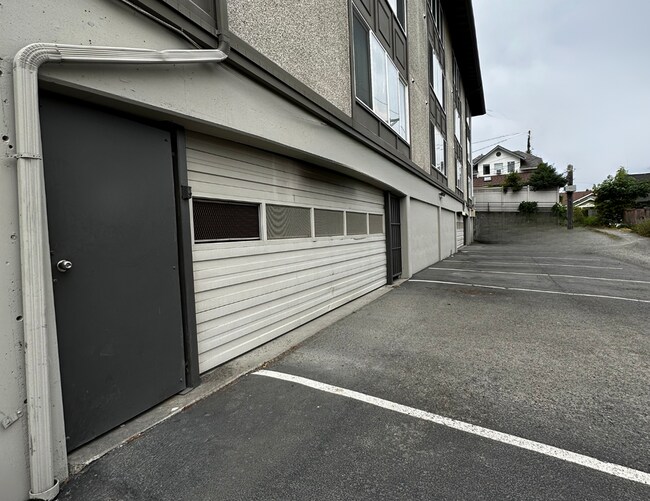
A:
x,y
438,74
443,148
403,105
459,174
457,124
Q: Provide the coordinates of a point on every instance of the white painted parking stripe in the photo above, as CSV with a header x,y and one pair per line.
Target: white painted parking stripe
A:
x,y
561,293
474,254
492,272
523,263
523,443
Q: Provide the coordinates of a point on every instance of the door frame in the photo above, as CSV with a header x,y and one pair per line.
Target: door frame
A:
x,y
183,231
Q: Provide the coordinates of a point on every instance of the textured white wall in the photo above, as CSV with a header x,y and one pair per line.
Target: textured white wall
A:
x,y
308,39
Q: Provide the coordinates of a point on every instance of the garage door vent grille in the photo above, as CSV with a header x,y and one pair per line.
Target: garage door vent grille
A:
x,y
376,223
288,222
328,223
219,221
357,223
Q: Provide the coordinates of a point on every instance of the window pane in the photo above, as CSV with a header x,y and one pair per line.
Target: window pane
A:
x,y
356,223
379,85
439,151
361,61
393,97
328,223
457,124
486,170
511,166
215,220
498,168
459,174
403,111
438,80
287,222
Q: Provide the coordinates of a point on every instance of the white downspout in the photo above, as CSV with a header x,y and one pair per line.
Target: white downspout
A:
x,y
34,243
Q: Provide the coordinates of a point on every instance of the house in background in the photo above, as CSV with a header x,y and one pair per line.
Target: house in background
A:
x,y
490,171
188,206
582,199
492,168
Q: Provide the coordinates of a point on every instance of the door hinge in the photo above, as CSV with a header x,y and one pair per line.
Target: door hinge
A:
x,y
186,192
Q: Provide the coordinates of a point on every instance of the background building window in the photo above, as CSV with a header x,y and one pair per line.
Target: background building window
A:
x,y
459,174
511,166
498,167
486,169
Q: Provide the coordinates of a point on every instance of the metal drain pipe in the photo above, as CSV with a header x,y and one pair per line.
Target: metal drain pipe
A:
x,y
39,325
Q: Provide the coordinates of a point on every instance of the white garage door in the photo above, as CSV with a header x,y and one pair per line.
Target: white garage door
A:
x,y
277,243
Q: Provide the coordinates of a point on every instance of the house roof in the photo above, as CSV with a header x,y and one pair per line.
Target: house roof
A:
x,y
460,15
642,178
528,160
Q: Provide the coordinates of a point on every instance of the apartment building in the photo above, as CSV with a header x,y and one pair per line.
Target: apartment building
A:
x,y
182,181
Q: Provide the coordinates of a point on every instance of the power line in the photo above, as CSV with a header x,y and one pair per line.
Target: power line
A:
x,y
495,144
497,137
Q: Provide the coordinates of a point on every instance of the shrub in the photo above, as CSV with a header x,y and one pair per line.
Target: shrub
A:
x,y
591,221
578,215
528,207
512,180
643,228
559,210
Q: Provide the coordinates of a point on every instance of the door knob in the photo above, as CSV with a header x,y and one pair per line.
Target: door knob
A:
x,y
63,265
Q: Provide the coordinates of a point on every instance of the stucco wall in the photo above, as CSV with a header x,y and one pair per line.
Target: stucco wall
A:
x,y
308,39
418,60
424,243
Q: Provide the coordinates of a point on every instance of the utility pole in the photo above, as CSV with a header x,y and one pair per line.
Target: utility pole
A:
x,y
570,188
529,150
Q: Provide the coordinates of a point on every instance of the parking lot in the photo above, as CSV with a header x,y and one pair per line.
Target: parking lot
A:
x,y
513,371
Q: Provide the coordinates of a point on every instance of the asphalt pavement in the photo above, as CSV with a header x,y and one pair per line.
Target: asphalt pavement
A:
x,y
514,371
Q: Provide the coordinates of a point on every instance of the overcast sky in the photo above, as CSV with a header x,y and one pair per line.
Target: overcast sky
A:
x,y
574,72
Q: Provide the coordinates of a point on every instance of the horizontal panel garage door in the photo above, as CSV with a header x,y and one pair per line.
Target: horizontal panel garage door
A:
x,y
460,231
320,244
447,233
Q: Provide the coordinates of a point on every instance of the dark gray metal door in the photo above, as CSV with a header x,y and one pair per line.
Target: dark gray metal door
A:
x,y
112,226
393,237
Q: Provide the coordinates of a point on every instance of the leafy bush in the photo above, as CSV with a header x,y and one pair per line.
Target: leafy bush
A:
x,y
528,207
578,215
512,180
591,221
643,228
559,210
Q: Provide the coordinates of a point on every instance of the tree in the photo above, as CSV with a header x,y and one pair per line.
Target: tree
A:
x,y
617,193
546,177
512,180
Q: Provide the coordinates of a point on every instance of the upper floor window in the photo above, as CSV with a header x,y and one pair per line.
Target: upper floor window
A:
x,y
378,83
437,77
399,9
438,149
457,124
459,174
435,10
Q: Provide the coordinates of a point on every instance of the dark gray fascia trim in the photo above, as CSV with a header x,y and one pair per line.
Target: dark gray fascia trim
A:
x,y
462,29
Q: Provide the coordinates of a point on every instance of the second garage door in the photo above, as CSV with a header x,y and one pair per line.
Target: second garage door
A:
x,y
277,242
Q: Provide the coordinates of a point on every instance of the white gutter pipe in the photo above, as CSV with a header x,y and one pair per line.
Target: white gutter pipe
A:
x,y
34,243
